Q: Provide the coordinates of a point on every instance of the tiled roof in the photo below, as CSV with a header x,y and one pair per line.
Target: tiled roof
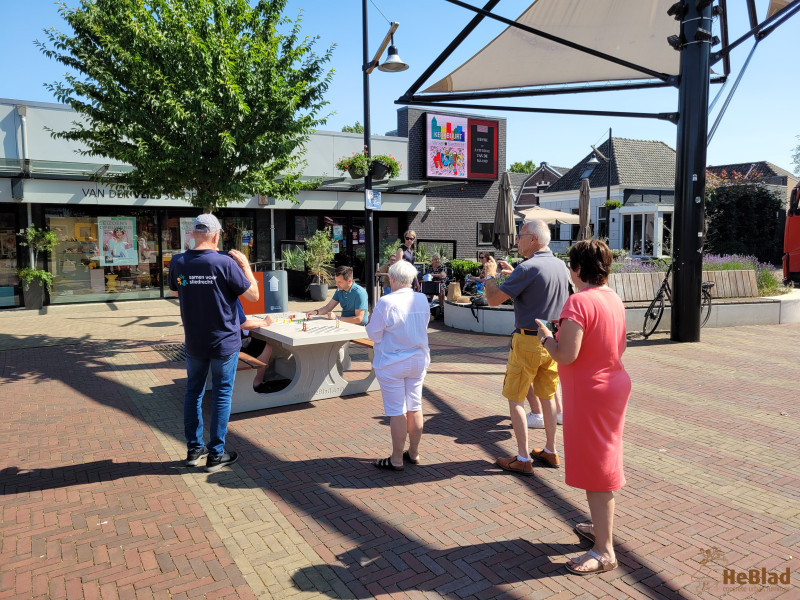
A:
x,y
517,179
764,168
634,163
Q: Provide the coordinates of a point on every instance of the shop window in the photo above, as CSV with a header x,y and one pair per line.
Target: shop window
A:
x,y
485,233
237,234
103,257
9,295
602,222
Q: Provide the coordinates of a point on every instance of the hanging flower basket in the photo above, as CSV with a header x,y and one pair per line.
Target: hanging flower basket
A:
x,y
379,169
382,166
356,165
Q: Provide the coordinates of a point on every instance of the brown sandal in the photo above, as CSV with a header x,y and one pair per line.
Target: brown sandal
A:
x,y
407,458
386,464
603,564
585,530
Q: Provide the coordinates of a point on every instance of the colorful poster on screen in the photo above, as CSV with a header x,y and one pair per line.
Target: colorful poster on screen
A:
x,y
118,241
460,147
187,233
446,146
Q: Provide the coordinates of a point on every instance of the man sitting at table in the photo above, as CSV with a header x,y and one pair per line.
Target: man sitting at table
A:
x,y
253,346
351,296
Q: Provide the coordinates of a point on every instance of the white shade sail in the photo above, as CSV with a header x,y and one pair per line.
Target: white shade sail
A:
x,y
632,30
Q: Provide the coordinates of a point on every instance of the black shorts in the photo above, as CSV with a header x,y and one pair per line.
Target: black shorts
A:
x,y
253,346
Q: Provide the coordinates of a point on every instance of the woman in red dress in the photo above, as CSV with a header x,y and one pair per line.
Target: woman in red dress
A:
x,y
596,389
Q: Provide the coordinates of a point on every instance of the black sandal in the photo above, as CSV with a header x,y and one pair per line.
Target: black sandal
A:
x,y
386,463
407,458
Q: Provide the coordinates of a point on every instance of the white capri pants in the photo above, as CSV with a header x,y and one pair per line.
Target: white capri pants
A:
x,y
401,386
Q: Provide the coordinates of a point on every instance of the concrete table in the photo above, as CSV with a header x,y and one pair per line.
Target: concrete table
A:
x,y
310,359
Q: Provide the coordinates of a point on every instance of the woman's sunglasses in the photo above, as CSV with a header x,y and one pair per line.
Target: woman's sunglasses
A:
x,y
410,238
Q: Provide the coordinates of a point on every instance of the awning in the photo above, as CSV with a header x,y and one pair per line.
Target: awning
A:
x,y
518,58
551,217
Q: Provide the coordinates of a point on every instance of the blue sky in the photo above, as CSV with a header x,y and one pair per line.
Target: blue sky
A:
x,y
762,122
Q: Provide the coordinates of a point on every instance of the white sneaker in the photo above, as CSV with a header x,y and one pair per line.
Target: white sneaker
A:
x,y
535,421
559,419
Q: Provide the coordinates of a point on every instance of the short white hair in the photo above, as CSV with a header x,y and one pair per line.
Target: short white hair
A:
x,y
539,228
403,272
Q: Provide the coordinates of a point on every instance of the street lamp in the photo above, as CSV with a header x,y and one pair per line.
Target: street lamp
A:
x,y
607,160
393,64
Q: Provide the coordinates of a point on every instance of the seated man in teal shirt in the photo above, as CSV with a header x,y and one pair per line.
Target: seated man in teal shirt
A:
x,y
351,296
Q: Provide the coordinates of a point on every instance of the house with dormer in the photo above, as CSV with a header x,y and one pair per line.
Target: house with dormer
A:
x,y
639,175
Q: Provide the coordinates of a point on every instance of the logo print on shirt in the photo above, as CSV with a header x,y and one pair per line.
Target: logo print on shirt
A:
x,y
182,280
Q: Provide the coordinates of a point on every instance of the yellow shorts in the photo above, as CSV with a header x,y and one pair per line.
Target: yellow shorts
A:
x,y
529,362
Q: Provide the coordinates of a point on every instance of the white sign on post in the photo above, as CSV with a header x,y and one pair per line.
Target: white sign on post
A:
x,y
373,199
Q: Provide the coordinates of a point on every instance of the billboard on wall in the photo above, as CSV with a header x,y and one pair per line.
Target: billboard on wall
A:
x,y
460,147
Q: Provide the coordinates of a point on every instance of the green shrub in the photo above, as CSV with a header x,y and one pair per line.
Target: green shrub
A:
x,y
462,268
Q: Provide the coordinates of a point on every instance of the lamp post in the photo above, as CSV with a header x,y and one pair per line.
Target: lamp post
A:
x,y
392,64
607,160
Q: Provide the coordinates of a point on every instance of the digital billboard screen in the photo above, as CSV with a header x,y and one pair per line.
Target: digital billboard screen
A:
x,y
460,147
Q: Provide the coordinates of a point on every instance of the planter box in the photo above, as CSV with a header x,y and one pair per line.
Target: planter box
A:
x,y
297,283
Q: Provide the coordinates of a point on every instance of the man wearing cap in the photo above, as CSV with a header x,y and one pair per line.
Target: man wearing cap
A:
x,y
208,284
539,287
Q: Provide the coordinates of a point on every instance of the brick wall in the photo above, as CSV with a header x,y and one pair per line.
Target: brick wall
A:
x,y
454,210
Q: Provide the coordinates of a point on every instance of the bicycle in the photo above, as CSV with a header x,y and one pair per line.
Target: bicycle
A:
x,y
654,312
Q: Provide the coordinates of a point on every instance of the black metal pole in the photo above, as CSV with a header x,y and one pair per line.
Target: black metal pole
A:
x,y
608,167
369,256
690,172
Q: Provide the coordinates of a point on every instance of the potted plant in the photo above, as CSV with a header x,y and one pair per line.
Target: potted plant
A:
x,y
357,164
34,280
384,166
318,257
612,204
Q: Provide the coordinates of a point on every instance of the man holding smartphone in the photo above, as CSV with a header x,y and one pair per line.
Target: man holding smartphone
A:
x,y
539,287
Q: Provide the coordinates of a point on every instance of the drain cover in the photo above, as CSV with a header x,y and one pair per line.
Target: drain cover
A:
x,y
172,352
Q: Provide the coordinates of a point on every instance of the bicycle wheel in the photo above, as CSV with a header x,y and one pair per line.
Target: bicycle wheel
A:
x,y
705,308
653,314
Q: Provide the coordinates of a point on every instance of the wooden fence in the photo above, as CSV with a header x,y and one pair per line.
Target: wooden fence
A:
x,y
640,287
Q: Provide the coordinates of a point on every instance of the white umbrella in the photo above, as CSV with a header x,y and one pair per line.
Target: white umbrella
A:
x,y
551,217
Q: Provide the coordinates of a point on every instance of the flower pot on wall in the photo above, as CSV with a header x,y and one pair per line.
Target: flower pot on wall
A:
x,y
355,172
379,170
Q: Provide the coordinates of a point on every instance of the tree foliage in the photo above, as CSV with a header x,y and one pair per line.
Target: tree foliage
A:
x,y
355,128
519,167
199,96
743,217
796,158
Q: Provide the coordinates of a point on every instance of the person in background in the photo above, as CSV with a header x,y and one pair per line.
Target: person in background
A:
x,y
438,273
535,418
208,285
255,347
399,328
486,259
406,250
351,296
588,350
540,287
383,273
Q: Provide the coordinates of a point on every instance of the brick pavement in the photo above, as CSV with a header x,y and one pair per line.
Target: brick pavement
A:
x,y
96,504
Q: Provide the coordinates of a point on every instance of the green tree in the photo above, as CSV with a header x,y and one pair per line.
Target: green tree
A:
x,y
741,217
356,128
203,97
796,158
527,167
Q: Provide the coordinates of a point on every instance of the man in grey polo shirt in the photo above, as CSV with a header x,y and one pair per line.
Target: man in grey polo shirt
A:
x,y
539,287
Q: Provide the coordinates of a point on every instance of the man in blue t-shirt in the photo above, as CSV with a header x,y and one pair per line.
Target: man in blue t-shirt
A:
x,y
351,296
208,284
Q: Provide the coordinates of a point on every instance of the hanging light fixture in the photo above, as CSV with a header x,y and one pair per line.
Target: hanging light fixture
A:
x,y
393,64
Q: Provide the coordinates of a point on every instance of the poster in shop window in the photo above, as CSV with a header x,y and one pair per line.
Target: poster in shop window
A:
x,y
118,239
187,233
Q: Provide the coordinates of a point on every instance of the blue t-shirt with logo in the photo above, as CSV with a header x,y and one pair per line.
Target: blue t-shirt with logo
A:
x,y
208,284
353,300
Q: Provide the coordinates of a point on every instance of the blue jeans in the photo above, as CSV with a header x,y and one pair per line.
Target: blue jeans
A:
x,y
223,371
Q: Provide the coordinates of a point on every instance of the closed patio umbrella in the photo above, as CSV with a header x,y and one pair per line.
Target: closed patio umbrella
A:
x,y
505,229
584,228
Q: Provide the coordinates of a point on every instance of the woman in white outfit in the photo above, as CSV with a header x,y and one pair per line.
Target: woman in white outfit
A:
x,y
399,328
